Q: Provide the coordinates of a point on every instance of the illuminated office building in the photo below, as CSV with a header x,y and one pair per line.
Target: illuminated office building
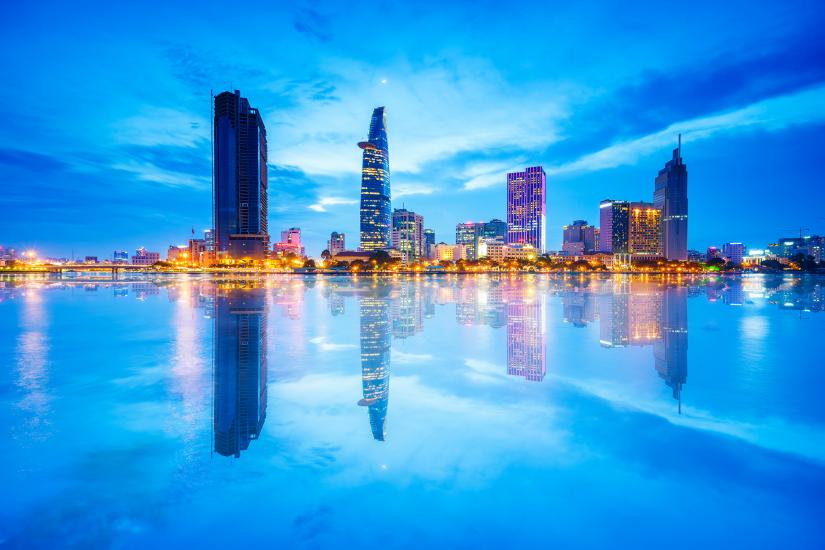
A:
x,y
670,196
240,182
239,367
526,207
644,229
376,231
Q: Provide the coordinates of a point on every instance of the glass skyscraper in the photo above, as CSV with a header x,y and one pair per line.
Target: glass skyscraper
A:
x,y
614,222
240,368
526,203
408,234
670,196
376,232
240,201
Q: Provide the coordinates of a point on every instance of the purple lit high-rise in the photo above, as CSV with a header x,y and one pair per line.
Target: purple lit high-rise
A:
x,y
526,207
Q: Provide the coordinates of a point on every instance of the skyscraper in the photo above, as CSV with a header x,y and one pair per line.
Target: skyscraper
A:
x,y
670,196
614,225
240,368
644,235
375,186
336,243
526,207
408,234
240,179
467,235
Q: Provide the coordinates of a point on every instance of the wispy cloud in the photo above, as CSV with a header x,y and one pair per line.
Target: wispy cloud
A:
x,y
408,189
436,110
146,171
323,202
161,126
772,114
481,175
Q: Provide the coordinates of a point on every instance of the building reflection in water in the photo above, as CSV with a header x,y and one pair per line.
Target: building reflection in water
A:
x,y
375,360
526,333
239,408
670,351
641,313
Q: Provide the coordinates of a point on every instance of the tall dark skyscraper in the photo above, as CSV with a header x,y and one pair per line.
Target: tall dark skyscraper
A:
x,y
670,196
526,201
376,231
240,201
240,368
375,361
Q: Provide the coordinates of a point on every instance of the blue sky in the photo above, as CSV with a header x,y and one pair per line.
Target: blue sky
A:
x,y
105,136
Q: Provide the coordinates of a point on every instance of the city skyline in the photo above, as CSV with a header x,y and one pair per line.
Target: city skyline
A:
x,y
103,164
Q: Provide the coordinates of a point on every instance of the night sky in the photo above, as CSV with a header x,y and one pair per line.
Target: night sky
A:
x,y
105,135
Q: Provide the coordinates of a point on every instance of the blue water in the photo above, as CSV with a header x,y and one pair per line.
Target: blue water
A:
x,y
433,412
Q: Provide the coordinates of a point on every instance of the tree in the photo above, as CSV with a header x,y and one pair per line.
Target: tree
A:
x,y
380,257
310,264
804,262
325,255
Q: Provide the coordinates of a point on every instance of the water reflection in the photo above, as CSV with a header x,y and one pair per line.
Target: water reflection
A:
x,y
375,360
240,366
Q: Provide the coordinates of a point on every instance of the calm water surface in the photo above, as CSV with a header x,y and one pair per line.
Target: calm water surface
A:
x,y
444,412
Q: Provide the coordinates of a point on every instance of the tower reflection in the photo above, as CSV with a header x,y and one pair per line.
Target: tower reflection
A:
x,y
375,360
670,352
640,313
239,408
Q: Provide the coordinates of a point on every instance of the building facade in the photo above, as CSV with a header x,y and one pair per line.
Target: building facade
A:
x,y
578,237
614,226
429,244
145,257
644,232
408,234
240,192
336,243
526,207
670,196
733,252
376,231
